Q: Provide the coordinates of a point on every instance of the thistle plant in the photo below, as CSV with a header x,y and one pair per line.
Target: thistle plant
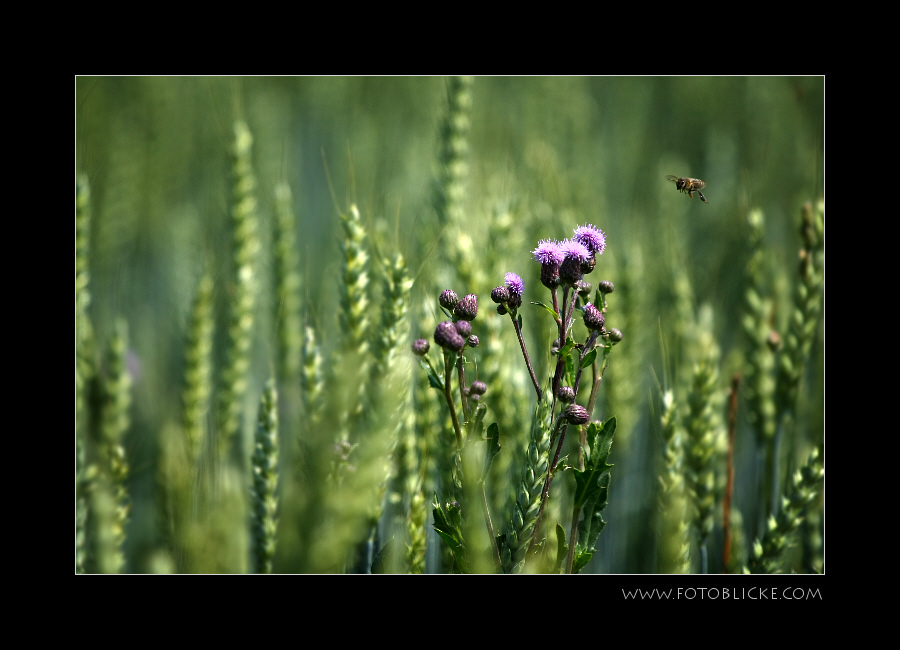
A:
x,y
563,264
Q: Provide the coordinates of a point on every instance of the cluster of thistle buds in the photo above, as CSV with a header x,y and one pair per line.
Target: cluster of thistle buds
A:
x,y
456,334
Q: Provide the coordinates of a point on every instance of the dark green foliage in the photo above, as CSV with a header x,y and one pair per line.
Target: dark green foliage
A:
x,y
592,489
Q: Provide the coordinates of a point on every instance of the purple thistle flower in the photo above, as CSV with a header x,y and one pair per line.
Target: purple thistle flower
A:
x,y
514,284
591,237
575,250
548,252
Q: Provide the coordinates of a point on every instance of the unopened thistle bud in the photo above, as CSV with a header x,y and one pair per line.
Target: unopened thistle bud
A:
x,y
448,299
606,287
583,288
447,337
502,310
467,308
472,341
566,394
420,347
500,295
464,328
477,388
577,414
593,318
615,335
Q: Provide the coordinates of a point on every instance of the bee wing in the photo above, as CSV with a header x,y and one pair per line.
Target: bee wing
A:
x,y
672,178
698,184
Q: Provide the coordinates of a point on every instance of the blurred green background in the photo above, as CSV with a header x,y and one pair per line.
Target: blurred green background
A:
x,y
552,152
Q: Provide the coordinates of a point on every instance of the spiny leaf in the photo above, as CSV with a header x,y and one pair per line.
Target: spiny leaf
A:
x,y
493,448
550,309
587,482
562,549
589,358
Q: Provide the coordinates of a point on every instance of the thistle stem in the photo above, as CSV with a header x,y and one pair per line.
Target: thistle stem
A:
x,y
448,371
573,538
462,385
490,526
537,386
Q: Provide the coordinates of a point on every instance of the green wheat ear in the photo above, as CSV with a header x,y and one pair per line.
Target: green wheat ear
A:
x,y
808,305
675,544
243,303
759,376
85,366
768,553
198,369
527,501
703,426
112,504
265,480
290,330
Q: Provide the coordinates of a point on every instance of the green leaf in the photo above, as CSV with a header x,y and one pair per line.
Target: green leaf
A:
x,y
581,560
493,448
550,309
433,380
562,549
592,523
448,524
519,319
589,358
378,562
587,482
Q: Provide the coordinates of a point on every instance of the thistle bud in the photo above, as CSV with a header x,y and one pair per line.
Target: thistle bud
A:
x,y
502,310
446,336
472,341
593,318
467,308
566,394
477,388
420,347
577,414
464,328
448,299
500,295
606,287
615,334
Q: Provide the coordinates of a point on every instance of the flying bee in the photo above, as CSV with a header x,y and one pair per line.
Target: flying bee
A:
x,y
689,185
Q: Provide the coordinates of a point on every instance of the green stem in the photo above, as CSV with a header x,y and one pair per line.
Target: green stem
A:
x,y
515,322
448,370
573,538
